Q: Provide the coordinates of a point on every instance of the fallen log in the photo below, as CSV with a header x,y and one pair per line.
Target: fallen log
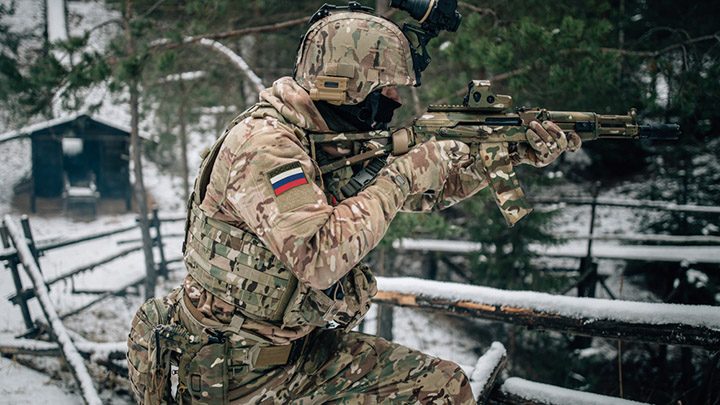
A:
x,y
672,324
96,351
104,295
30,293
646,204
44,246
518,391
59,333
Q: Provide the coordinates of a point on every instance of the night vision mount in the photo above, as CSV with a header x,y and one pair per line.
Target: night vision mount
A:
x,y
434,16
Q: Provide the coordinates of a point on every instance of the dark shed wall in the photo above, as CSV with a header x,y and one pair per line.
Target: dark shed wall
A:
x,y
105,153
47,168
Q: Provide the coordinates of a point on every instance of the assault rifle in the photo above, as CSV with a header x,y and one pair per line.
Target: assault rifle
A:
x,y
489,125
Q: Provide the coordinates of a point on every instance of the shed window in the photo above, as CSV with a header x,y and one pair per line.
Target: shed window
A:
x,y
72,146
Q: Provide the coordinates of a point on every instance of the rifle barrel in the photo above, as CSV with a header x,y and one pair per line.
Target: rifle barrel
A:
x,y
669,132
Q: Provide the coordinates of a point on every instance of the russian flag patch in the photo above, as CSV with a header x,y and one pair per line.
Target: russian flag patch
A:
x,y
287,177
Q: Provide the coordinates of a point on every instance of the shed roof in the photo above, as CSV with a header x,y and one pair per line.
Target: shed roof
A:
x,y
30,129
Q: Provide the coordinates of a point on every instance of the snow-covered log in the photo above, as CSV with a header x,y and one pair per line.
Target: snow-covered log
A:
x,y
486,371
685,325
44,246
105,295
646,238
30,293
578,249
523,392
107,350
60,334
648,204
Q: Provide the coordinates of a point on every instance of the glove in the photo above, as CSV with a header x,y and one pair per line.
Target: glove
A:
x,y
427,166
545,142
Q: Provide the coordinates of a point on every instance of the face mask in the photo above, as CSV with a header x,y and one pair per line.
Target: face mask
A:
x,y
375,112
385,110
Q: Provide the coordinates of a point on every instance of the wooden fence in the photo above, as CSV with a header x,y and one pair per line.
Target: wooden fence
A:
x,y
687,329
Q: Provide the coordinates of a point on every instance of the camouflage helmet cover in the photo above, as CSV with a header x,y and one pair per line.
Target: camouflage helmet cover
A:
x,y
367,49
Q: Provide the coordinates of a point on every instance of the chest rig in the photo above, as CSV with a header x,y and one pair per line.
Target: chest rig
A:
x,y
234,265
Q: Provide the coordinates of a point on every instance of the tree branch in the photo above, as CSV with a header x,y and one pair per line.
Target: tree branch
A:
x,y
230,34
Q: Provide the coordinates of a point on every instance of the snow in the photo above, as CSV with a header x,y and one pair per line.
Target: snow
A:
x,y
183,76
237,60
549,394
21,385
15,156
629,203
81,192
56,23
485,367
70,353
575,307
436,245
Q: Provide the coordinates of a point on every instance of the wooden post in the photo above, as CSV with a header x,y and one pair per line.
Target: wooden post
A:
x,y
384,312
58,331
431,261
25,222
159,243
588,269
12,264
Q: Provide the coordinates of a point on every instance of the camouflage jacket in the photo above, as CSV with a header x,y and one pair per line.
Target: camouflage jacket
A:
x,y
264,181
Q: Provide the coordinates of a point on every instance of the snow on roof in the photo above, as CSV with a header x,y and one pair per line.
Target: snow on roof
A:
x,y
26,131
575,307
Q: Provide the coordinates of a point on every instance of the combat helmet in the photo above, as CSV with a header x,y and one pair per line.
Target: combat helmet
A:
x,y
350,52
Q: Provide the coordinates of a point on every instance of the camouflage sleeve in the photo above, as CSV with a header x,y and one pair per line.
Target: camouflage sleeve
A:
x,y
465,178
271,187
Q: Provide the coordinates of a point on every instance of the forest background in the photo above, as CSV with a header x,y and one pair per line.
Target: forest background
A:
x,y
660,57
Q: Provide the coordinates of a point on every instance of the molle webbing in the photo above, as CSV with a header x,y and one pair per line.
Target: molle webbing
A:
x,y
231,263
234,265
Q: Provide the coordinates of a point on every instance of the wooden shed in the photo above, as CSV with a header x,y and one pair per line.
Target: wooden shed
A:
x,y
79,158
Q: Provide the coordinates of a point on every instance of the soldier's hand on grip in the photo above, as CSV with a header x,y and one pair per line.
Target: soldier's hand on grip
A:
x,y
427,166
545,142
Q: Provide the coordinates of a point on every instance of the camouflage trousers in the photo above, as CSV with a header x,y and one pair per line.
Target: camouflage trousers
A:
x,y
335,367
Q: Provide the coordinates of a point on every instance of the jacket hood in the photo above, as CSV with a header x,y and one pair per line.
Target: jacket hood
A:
x,y
294,103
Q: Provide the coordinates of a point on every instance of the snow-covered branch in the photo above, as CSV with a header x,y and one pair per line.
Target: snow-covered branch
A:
x,y
217,46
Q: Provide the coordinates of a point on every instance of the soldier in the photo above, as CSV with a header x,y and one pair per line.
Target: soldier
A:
x,y
273,247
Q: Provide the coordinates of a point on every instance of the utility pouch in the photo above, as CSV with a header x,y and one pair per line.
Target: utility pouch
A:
x,y
309,306
206,375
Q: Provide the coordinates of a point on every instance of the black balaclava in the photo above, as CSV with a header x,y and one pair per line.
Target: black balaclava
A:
x,y
375,112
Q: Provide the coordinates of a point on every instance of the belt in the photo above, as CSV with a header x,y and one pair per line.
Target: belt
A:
x,y
280,355
262,354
